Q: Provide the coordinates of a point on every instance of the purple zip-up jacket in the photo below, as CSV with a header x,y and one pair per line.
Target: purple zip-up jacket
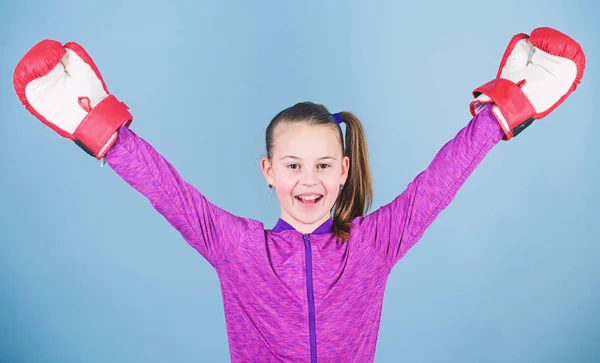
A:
x,y
293,297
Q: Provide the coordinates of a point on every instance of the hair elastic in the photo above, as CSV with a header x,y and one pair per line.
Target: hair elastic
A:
x,y
338,118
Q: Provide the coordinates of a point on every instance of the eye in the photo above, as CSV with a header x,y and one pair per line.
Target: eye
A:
x,y
324,166
293,166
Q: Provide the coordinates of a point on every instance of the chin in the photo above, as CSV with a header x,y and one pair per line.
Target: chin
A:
x,y
310,217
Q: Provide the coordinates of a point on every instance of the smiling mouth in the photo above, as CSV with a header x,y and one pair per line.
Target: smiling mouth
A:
x,y
309,199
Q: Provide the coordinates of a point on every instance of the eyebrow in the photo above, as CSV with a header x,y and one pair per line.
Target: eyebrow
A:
x,y
297,158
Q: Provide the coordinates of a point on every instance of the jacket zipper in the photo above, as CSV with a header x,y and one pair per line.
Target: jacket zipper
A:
x,y
311,300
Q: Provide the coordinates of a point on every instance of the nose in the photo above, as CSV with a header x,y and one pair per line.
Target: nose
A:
x,y
309,178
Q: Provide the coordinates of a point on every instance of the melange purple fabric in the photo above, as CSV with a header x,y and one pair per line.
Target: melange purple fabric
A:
x,y
293,297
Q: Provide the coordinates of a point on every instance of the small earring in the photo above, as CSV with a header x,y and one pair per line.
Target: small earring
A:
x,y
341,186
270,186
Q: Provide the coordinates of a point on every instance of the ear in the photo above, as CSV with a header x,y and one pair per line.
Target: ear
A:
x,y
345,169
267,170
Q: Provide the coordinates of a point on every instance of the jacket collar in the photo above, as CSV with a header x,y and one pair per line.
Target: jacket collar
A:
x,y
324,228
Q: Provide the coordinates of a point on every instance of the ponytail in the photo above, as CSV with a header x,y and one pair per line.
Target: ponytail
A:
x,y
356,195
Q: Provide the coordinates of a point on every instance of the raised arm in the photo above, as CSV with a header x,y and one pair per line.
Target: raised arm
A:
x,y
536,74
397,226
213,232
61,86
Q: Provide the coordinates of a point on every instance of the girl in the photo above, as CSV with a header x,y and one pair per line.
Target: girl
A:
x,y
311,287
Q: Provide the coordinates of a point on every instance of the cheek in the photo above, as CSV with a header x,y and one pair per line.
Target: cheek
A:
x,y
285,182
284,190
332,184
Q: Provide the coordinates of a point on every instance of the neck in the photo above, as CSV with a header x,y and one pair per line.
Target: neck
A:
x,y
303,227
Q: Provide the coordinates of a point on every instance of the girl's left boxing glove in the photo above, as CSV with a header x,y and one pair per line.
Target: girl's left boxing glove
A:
x,y
62,87
536,74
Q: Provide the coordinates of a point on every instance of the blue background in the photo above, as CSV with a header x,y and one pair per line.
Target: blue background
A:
x,y
89,272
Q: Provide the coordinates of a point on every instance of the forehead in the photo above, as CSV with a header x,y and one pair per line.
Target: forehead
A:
x,y
306,141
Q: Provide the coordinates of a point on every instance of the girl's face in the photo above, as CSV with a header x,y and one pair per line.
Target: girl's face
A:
x,y
306,170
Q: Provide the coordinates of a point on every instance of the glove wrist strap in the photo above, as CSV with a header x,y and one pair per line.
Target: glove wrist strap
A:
x,y
98,130
513,110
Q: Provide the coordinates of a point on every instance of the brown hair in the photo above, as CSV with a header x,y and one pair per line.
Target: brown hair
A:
x,y
356,196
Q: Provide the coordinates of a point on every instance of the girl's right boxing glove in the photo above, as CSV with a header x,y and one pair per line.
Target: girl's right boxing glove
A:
x,y
537,73
62,87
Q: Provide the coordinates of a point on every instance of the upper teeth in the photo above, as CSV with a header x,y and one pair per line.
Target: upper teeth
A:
x,y
308,197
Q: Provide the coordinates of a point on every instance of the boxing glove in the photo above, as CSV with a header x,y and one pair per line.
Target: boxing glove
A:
x,y
536,74
61,86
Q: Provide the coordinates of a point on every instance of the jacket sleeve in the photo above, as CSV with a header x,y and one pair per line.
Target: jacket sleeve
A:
x,y
213,232
395,227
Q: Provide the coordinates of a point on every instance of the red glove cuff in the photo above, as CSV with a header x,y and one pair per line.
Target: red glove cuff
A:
x,y
515,114
97,132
